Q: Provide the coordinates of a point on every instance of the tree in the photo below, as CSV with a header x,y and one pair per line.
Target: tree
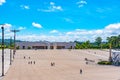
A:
x,y
29,47
118,40
98,41
18,47
114,41
85,45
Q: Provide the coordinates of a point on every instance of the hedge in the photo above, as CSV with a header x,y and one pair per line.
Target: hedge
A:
x,y
105,63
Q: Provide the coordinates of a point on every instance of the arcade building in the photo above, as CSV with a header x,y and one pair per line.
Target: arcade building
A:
x,y
45,45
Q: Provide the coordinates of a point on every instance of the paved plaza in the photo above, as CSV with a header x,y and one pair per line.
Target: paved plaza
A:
x,y
36,65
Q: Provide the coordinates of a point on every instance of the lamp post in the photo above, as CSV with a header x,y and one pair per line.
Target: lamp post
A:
x,y
14,31
2,49
10,50
110,57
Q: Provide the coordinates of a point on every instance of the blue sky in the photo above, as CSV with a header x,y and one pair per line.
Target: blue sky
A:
x,y
59,20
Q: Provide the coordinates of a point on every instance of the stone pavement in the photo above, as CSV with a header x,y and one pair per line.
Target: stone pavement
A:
x,y
67,66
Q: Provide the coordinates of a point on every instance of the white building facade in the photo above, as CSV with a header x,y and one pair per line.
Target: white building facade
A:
x,y
45,45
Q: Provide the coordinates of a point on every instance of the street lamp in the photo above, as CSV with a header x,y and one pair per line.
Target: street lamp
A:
x,y
14,31
2,49
110,56
10,50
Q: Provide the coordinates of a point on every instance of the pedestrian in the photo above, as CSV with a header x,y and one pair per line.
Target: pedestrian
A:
x,y
34,62
31,62
94,52
52,63
24,57
29,57
86,59
86,62
80,71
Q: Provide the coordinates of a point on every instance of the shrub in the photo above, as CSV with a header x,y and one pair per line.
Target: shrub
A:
x,y
17,47
105,63
29,47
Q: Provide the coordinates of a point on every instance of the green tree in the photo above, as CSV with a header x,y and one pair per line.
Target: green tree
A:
x,y
85,45
18,47
114,41
98,41
29,47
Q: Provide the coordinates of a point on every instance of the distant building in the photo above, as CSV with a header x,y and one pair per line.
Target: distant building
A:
x,y
116,57
45,45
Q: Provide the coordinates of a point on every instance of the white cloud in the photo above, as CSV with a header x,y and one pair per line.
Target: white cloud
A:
x,y
113,26
24,6
37,25
2,1
113,29
81,3
21,28
51,38
98,31
68,20
109,30
8,35
52,3
52,8
7,32
54,31
6,27
78,34
101,10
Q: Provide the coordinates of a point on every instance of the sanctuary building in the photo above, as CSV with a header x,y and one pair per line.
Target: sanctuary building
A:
x,y
45,45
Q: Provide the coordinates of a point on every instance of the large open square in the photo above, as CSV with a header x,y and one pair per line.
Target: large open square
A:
x,y
36,65
60,40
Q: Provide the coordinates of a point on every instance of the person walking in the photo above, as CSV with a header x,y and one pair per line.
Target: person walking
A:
x,y
31,62
34,62
80,71
24,57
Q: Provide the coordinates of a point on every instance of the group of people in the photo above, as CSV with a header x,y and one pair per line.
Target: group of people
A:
x,y
25,57
52,64
30,62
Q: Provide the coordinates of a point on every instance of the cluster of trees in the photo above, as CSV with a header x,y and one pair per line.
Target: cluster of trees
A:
x,y
114,41
7,43
7,46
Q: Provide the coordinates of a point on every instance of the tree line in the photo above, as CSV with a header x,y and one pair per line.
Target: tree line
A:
x,y
97,44
7,43
114,41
